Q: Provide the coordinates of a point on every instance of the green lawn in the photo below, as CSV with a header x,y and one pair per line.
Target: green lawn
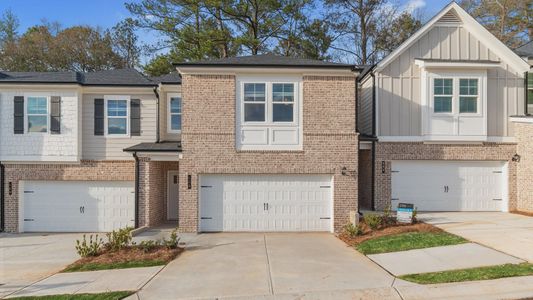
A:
x,y
483,273
119,265
102,296
408,241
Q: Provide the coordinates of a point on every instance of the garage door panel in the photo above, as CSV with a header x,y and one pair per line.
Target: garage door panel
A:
x,y
266,203
77,206
449,185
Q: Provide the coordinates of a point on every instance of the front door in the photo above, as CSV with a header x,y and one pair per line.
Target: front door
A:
x,y
172,195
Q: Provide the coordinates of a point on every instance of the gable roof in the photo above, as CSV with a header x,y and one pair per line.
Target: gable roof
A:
x,y
266,61
525,50
117,77
446,16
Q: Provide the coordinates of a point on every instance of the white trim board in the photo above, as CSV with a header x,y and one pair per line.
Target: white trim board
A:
x,y
418,138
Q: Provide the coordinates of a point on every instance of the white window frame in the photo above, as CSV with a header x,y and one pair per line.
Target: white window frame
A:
x,y
128,119
452,95
26,114
456,93
265,103
169,112
269,103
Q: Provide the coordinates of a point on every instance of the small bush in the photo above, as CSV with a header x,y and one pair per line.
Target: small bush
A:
x,y
172,242
89,248
387,219
353,230
148,246
117,240
414,220
373,221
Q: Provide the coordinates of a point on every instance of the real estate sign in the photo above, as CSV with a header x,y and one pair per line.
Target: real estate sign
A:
x,y
404,213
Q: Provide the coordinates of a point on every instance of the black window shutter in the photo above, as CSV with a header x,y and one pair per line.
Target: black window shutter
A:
x,y
135,117
98,116
55,115
18,113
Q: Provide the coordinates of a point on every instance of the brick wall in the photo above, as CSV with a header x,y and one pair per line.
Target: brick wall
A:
x,y
208,140
386,152
86,170
524,170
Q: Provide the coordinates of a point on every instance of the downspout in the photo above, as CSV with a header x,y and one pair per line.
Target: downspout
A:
x,y
372,197
136,189
2,199
157,139
526,75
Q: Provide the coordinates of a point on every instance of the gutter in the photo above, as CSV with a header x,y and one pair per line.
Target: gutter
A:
x,y
2,197
137,176
157,138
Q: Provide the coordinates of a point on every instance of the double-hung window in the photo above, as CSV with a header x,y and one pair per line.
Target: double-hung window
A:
x,y
468,95
443,95
455,95
37,114
174,113
117,116
254,102
282,102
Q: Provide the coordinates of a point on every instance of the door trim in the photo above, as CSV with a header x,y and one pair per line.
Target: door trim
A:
x,y
169,174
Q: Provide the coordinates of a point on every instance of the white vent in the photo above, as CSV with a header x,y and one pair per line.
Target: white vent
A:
x,y
450,17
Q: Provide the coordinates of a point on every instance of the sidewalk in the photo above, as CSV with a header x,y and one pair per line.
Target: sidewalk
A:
x,y
90,282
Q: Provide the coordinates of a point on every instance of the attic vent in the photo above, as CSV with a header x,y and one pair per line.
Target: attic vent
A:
x,y
449,17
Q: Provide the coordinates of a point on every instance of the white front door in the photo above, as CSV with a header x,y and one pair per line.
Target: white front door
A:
x,y
172,195
266,203
450,185
76,206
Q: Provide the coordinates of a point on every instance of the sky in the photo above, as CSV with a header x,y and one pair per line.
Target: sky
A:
x,y
106,13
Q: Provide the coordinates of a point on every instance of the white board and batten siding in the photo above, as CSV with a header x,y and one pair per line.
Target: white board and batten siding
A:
x,y
101,147
399,93
450,185
75,206
266,203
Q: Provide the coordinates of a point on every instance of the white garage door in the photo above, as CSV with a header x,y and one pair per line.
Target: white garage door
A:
x,y
265,203
76,206
450,185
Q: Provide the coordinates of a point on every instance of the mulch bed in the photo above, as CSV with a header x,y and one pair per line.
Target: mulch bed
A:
x,y
389,230
523,213
129,254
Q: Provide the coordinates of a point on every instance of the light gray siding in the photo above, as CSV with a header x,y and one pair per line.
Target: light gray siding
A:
x,y
365,106
399,100
165,135
110,148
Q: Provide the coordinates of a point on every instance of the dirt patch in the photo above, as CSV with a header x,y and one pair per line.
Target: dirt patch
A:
x,y
523,213
394,229
130,254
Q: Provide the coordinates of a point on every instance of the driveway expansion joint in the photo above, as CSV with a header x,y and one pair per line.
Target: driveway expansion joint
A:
x,y
269,267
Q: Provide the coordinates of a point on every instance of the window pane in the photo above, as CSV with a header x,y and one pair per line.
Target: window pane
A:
x,y
175,122
254,112
443,105
442,86
175,105
530,101
117,108
254,92
282,112
37,123
283,92
468,86
116,125
37,105
468,104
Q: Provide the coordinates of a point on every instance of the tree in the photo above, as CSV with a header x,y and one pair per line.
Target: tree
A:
x,y
161,64
9,24
126,43
390,38
509,20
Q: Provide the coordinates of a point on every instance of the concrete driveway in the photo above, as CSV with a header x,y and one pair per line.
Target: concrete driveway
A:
x,y
26,258
505,232
266,264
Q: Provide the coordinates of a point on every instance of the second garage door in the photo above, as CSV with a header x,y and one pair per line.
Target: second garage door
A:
x,y
76,206
265,203
450,185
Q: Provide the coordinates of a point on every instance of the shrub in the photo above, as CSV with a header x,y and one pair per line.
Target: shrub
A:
x,y
89,248
373,221
147,246
414,220
353,230
117,240
172,242
387,218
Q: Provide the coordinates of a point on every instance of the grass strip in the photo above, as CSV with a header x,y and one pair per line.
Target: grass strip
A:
x,y
110,266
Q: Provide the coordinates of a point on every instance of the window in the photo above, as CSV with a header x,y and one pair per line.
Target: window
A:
x,y
529,105
37,114
282,102
254,102
468,95
443,95
175,113
117,116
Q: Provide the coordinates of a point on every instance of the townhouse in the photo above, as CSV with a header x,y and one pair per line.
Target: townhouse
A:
x,y
269,143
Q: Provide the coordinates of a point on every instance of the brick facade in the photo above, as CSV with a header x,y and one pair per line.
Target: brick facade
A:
x,y
388,151
524,170
86,170
208,140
